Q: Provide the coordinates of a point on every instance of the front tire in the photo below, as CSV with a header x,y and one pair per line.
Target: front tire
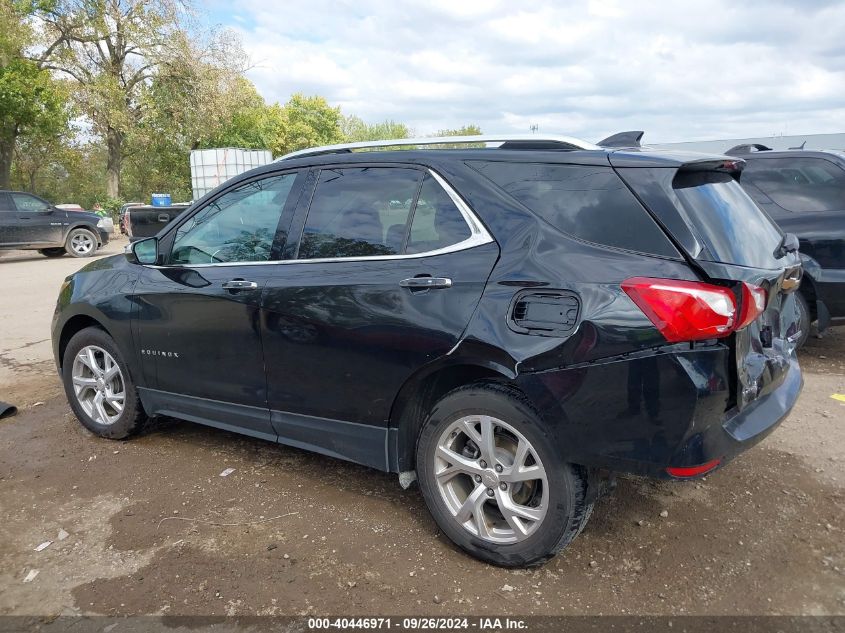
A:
x,y
52,252
492,480
99,386
81,243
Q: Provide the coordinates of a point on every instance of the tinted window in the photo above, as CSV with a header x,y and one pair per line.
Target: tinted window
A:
x,y
588,202
6,204
359,212
799,184
437,221
25,202
239,226
733,228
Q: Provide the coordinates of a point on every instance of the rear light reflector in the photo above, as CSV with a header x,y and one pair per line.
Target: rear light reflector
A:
x,y
693,471
684,310
753,304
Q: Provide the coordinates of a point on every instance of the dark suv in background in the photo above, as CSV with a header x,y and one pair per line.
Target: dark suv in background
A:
x,y
804,192
28,222
509,325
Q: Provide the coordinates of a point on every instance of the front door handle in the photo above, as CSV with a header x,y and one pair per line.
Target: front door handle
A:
x,y
240,284
424,283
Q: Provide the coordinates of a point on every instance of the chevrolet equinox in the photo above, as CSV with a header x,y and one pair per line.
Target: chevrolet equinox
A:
x,y
510,321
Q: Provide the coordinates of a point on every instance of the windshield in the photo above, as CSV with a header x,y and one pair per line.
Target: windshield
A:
x,y
734,229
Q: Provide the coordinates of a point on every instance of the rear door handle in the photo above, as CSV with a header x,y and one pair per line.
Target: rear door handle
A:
x,y
240,284
424,283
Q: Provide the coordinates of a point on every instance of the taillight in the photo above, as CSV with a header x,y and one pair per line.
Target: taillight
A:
x,y
753,304
684,310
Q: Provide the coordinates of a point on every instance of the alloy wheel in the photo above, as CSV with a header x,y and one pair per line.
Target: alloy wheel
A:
x,y
82,243
98,384
491,479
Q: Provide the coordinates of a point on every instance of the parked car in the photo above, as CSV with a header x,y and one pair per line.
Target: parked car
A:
x,y
510,326
804,192
28,222
121,216
146,220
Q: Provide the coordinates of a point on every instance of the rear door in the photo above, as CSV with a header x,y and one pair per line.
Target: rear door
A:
x,y
38,221
387,271
729,240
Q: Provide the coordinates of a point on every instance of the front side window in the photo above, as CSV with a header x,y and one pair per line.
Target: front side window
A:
x,y
799,184
29,204
239,226
359,212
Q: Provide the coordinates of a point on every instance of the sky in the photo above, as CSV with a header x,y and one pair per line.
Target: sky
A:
x,y
679,70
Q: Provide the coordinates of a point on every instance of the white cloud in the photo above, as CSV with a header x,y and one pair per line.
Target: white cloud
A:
x,y
679,70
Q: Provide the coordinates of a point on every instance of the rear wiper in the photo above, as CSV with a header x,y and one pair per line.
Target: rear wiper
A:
x,y
788,244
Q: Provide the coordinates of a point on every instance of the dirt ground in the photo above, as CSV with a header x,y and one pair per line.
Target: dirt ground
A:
x,y
152,528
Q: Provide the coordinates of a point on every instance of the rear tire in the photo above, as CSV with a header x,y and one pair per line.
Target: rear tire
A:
x,y
521,509
53,252
99,386
805,318
81,243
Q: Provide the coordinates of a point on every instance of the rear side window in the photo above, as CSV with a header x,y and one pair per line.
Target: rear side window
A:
x,y
585,201
437,221
799,184
359,212
734,229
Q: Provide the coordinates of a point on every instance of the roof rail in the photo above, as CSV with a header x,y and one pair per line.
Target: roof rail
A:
x,y
505,141
623,139
747,148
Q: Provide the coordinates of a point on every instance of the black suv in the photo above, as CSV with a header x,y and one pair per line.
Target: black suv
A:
x,y
510,325
28,222
804,192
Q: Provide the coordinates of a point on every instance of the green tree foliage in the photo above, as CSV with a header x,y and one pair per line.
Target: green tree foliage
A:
x,y
32,103
305,122
355,129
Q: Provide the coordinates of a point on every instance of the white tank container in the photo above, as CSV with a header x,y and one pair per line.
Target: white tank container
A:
x,y
213,167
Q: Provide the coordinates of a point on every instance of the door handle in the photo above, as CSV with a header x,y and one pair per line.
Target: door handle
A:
x,y
424,283
240,284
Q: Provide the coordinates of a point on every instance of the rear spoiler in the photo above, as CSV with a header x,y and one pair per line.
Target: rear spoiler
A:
x,y
623,139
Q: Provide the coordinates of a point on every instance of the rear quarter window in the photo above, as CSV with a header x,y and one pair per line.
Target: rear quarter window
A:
x,y
588,202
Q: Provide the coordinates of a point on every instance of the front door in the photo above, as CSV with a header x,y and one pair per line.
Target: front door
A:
x,y
197,321
38,222
387,274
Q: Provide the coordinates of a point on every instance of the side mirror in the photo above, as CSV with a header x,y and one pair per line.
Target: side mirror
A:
x,y
144,251
790,243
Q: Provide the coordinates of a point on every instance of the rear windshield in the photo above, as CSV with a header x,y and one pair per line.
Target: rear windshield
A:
x,y
799,184
589,202
733,228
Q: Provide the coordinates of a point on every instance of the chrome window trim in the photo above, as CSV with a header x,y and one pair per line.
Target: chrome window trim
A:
x,y
479,235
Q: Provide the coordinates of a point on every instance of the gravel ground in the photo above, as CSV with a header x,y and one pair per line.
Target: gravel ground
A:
x,y
149,526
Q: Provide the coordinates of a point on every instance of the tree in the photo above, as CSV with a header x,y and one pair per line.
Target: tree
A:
x,y
113,49
355,129
31,101
466,130
304,122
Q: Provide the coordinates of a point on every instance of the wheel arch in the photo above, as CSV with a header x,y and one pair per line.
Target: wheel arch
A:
x,y
71,327
82,225
419,394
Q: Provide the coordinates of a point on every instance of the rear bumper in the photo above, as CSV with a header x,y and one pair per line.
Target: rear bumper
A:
x,y
640,416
